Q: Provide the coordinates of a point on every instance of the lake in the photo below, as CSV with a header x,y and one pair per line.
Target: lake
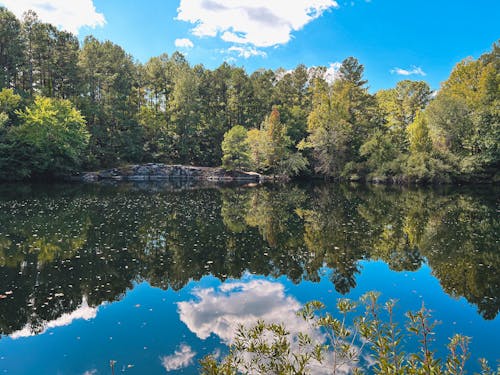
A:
x,y
155,276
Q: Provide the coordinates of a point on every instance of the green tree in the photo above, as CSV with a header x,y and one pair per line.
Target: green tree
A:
x,y
418,134
235,149
214,112
158,136
263,84
51,66
158,82
278,140
108,75
257,142
342,115
239,97
381,155
12,57
400,105
464,118
293,100
155,115
9,103
271,148
51,140
184,106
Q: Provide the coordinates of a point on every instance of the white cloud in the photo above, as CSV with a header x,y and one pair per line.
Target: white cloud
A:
x,y
90,372
184,43
220,311
230,60
282,73
70,15
414,70
261,23
246,51
83,312
183,357
332,72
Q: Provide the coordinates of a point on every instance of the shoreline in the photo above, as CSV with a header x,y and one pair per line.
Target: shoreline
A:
x,y
165,172
177,172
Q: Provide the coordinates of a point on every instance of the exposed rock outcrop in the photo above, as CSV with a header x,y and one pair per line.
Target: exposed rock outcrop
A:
x,y
157,171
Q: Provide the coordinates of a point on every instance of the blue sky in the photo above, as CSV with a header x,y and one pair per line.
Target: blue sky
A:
x,y
394,39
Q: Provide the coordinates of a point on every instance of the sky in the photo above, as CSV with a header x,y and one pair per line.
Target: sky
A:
x,y
393,39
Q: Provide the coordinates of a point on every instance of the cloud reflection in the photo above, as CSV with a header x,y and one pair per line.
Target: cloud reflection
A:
x,y
84,312
221,310
183,357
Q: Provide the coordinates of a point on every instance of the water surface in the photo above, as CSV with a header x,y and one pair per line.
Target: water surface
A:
x,y
156,276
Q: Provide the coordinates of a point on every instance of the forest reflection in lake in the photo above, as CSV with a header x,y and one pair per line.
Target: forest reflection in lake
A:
x,y
66,250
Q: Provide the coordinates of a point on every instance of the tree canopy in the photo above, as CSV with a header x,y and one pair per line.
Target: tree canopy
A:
x,y
298,121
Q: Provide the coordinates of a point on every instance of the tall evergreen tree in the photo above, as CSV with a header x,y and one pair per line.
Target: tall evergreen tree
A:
x,y
342,116
12,56
108,75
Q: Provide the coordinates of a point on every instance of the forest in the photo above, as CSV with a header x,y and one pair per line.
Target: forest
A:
x,y
67,106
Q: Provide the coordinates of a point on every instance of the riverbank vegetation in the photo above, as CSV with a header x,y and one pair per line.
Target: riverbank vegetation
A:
x,y
65,107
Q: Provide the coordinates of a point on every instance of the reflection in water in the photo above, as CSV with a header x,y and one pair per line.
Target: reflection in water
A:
x,y
61,246
83,312
183,357
221,311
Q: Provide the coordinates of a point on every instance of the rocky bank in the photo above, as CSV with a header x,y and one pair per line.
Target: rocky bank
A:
x,y
158,171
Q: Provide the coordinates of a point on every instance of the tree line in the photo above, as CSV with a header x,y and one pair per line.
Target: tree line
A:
x,y
65,107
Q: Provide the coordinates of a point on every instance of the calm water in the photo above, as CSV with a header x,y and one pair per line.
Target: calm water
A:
x,y
157,276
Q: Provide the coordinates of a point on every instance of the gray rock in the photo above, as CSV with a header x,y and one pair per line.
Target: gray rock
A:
x,y
158,172
90,177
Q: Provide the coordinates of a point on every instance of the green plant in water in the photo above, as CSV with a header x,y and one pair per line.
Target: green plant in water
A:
x,y
269,348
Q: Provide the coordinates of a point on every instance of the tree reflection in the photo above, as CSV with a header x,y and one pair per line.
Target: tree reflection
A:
x,y
62,246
